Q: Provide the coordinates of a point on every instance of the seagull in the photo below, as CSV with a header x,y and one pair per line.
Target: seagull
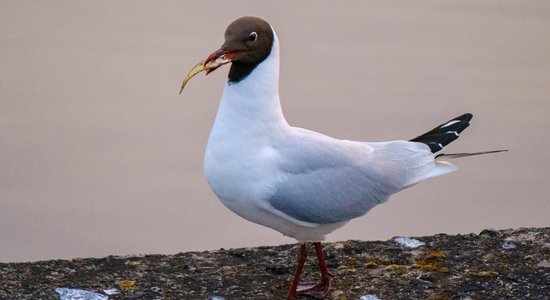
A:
x,y
299,182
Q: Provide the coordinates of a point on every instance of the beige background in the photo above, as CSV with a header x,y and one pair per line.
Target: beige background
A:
x,y
99,155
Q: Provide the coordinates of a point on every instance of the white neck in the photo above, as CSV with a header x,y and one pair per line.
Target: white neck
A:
x,y
255,99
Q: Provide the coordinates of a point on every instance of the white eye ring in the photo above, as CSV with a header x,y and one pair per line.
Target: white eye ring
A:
x,y
253,36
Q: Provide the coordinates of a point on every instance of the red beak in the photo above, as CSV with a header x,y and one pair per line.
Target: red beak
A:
x,y
227,57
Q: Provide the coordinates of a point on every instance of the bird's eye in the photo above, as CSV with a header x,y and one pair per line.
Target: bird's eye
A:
x,y
253,36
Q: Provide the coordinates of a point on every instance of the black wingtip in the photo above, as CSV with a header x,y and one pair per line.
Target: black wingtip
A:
x,y
444,134
466,117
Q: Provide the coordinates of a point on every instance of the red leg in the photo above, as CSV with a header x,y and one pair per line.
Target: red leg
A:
x,y
320,289
301,259
321,258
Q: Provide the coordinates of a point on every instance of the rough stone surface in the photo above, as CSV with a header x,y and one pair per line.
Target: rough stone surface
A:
x,y
505,264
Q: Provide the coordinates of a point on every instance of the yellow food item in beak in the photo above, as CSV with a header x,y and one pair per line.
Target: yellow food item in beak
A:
x,y
196,70
209,66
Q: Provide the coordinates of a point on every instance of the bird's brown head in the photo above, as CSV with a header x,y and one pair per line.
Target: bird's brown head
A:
x,y
248,42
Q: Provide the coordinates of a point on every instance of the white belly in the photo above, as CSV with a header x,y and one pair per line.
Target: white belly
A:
x,y
243,176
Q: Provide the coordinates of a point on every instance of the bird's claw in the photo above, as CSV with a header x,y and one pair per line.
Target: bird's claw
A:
x,y
316,290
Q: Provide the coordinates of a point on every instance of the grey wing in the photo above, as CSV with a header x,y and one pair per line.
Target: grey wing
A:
x,y
327,196
328,181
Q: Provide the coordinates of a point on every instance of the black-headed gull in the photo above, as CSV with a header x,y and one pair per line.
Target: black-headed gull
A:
x,y
301,183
